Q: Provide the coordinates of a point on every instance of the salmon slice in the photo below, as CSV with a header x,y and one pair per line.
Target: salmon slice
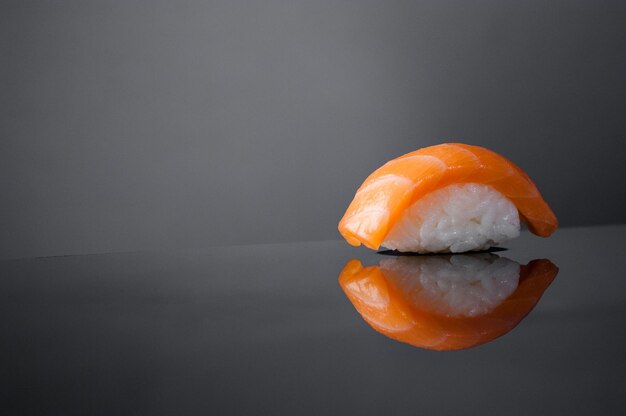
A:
x,y
390,190
390,309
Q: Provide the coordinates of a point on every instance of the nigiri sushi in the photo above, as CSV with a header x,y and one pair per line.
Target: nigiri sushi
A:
x,y
446,302
450,197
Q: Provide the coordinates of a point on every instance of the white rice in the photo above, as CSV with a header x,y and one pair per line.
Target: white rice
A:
x,y
467,285
455,219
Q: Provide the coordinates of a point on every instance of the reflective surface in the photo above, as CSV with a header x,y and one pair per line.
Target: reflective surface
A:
x,y
267,329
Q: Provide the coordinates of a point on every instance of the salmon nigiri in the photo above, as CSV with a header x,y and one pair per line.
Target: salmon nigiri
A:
x,y
446,302
447,198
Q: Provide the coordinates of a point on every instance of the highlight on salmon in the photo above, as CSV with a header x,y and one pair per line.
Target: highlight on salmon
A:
x,y
447,302
450,197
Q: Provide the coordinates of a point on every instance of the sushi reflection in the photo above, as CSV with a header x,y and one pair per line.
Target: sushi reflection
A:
x,y
446,302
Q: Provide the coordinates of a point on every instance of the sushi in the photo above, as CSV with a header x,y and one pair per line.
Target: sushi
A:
x,y
447,302
448,198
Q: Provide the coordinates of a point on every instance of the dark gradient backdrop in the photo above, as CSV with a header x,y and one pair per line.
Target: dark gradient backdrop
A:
x,y
149,124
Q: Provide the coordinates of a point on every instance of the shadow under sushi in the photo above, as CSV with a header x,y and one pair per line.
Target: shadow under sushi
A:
x,y
403,253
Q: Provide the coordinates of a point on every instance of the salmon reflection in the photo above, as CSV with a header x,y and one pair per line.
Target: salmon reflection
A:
x,y
446,302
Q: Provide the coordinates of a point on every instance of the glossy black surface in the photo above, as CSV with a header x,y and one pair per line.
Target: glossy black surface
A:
x,y
267,330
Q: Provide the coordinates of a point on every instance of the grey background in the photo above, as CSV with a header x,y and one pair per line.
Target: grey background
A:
x,y
129,125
